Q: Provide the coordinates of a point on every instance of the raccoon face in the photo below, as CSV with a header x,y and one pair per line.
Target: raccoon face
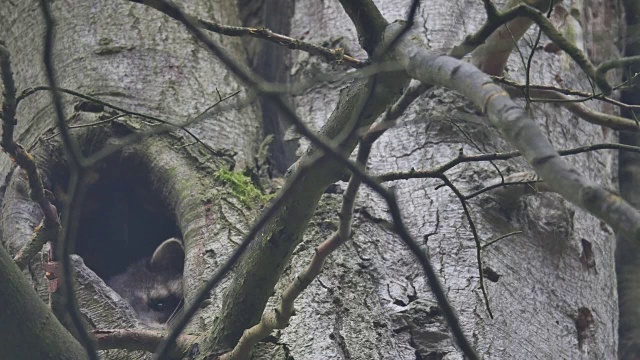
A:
x,y
153,286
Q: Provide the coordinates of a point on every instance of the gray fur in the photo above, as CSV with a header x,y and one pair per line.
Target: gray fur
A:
x,y
153,286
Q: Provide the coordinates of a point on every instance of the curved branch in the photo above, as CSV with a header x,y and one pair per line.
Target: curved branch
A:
x,y
522,132
337,159
575,106
51,223
76,165
140,339
336,55
368,20
486,58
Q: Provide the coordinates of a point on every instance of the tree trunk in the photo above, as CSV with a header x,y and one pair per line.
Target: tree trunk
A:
x,y
135,58
540,286
551,287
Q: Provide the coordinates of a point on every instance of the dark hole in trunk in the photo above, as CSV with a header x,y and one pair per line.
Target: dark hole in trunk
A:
x,y
123,219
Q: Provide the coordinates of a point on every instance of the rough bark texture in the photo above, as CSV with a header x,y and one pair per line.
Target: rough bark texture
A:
x,y
133,57
28,322
184,178
272,62
543,286
259,270
372,301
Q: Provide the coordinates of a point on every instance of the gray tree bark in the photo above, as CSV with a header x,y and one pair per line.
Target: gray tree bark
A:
x,y
372,300
542,285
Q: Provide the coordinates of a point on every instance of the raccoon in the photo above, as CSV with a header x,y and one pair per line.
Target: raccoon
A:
x,y
153,286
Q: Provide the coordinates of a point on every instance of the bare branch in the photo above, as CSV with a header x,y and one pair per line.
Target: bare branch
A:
x,y
549,94
25,160
76,161
368,20
604,67
523,133
522,12
246,76
41,235
476,239
30,91
333,55
278,318
140,339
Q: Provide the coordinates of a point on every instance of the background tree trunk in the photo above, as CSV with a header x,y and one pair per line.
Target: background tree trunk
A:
x,y
543,285
552,287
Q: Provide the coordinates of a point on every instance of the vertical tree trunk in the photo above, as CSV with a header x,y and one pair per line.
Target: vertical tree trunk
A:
x,y
551,287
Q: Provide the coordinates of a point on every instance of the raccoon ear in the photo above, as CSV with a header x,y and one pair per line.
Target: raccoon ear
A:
x,y
168,255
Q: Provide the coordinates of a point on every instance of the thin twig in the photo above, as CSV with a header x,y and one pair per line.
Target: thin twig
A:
x,y
531,54
585,96
246,76
491,242
501,185
462,158
333,55
476,239
30,91
278,318
51,224
76,160
139,339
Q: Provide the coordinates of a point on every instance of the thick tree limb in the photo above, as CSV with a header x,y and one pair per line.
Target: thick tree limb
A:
x,y
492,54
278,318
369,22
522,132
29,330
336,55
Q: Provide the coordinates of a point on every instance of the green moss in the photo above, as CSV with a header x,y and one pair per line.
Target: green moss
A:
x,y
241,186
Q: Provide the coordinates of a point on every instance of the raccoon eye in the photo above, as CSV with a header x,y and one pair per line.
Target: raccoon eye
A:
x,y
158,305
